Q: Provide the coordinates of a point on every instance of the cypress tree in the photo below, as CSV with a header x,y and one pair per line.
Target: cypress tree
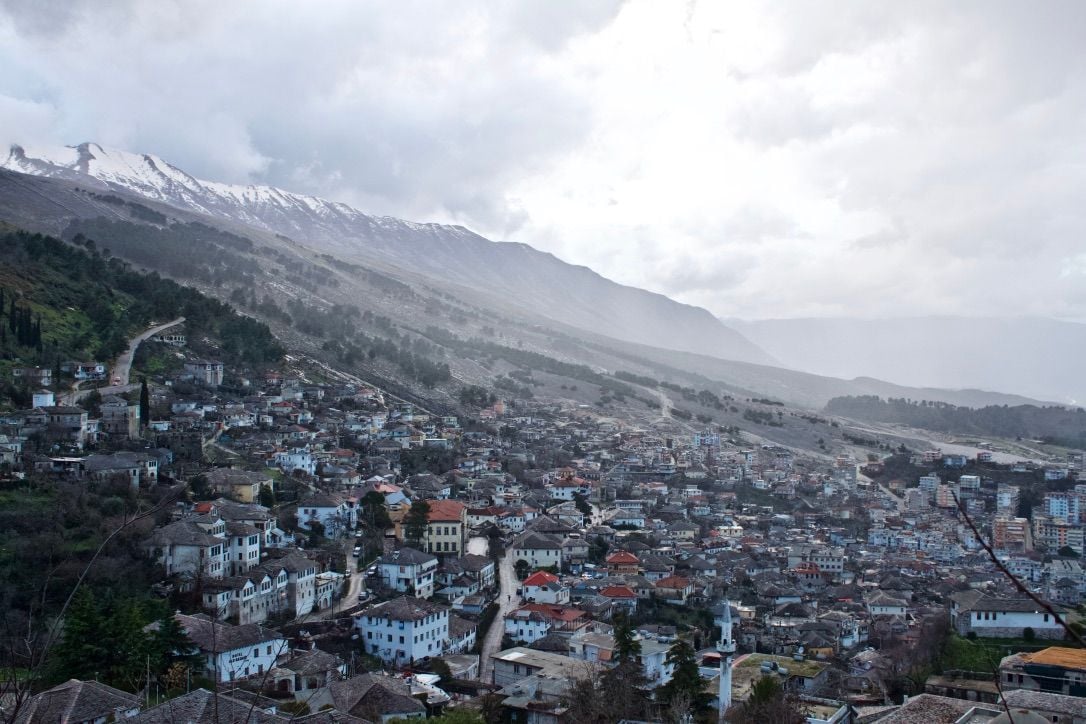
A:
x,y
145,403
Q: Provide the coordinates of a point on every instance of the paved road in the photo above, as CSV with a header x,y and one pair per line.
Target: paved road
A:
x,y
354,581
123,366
507,601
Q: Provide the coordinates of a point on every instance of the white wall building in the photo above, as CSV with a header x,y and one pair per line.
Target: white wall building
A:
x,y
404,630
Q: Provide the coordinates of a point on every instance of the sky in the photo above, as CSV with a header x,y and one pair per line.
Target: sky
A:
x,y
780,159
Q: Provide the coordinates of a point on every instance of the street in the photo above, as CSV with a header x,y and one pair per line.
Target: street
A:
x,y
354,581
507,601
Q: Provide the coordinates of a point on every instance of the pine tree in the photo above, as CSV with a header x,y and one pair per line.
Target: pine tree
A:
x,y
81,652
169,645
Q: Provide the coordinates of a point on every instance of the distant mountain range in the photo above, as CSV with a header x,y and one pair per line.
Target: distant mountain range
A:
x,y
421,283
528,278
1038,358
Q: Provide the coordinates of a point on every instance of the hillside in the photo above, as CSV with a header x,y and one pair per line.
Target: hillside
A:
x,y
391,323
524,276
82,304
1056,425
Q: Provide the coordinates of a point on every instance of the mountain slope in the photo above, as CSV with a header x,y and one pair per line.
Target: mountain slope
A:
x,y
249,266
565,293
1038,358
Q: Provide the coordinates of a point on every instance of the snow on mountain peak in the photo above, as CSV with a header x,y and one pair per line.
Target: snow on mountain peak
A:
x,y
155,178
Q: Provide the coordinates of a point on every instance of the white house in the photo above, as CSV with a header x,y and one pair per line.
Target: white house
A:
x,y
404,630
544,587
539,549
408,571
526,626
234,652
328,509
290,460
1001,617
883,604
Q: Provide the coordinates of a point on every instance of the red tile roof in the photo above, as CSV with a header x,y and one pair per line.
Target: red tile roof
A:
x,y
622,558
445,510
618,592
540,578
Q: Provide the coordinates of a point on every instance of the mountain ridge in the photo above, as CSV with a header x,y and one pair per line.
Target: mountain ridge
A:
x,y
569,293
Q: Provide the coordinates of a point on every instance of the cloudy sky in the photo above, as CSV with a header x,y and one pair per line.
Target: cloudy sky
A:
x,y
762,160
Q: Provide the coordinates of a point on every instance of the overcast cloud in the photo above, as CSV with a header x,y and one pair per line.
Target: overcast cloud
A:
x,y
761,160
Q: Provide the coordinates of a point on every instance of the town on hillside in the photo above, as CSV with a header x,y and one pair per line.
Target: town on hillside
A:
x,y
292,544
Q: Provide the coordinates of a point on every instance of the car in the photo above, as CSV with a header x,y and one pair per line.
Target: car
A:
x,y
358,534
357,551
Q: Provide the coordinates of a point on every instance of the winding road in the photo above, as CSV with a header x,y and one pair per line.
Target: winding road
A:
x,y
122,368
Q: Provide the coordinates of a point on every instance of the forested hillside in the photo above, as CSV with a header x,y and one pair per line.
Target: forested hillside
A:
x,y
63,301
1059,425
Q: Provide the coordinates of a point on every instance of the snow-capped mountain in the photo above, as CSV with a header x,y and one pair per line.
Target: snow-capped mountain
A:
x,y
524,276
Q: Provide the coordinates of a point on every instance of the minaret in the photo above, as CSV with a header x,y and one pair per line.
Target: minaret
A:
x,y
726,647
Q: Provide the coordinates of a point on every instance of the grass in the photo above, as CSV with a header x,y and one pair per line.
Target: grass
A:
x,y
984,654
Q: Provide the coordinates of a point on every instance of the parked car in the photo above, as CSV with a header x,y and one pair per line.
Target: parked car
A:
x,y
357,551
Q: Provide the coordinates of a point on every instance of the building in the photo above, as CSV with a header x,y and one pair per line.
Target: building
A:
x,y
975,612
539,550
240,485
1057,669
207,372
78,702
544,587
120,419
332,512
1011,535
404,630
233,652
446,527
1007,497
408,571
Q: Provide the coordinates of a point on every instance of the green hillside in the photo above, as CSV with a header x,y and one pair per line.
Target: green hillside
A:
x,y
71,302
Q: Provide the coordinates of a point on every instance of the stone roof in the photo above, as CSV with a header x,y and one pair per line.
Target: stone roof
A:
x,y
313,662
183,533
218,637
406,557
200,707
404,608
537,541
374,694
76,701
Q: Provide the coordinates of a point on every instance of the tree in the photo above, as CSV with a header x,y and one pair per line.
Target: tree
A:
x,y
627,646
145,403
523,568
1067,552
415,524
266,496
597,550
81,651
374,511
582,504
768,702
170,647
686,690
